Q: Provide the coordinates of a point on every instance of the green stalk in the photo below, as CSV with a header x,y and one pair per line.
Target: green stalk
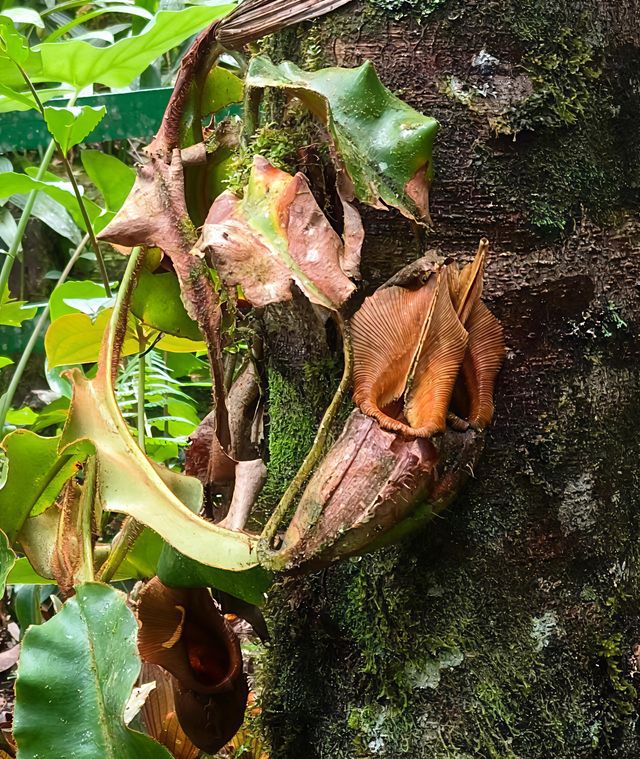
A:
x,y
131,528
10,257
87,500
316,450
7,400
76,190
142,342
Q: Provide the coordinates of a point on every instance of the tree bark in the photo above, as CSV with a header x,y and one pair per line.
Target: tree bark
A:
x,y
511,626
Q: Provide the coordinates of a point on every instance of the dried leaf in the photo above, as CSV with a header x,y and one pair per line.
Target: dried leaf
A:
x,y
274,236
486,349
205,458
9,658
257,18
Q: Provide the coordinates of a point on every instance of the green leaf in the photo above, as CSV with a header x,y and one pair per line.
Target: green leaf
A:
x,y
12,183
142,560
75,339
66,297
111,176
221,89
383,143
22,573
24,16
82,64
75,676
157,303
70,125
178,571
35,477
13,45
21,417
5,361
7,560
14,312
13,100
18,100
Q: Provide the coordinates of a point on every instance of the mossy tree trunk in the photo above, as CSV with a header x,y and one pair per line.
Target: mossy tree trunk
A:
x,y
511,626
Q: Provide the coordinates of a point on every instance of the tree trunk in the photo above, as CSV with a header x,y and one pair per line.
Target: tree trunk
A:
x,y
510,627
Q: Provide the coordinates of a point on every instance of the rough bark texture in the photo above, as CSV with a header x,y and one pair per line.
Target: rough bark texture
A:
x,y
511,626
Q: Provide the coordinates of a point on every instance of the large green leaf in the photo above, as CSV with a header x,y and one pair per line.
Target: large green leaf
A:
x,y
178,571
157,303
36,476
383,143
74,296
75,676
82,64
12,100
75,339
71,124
13,183
111,176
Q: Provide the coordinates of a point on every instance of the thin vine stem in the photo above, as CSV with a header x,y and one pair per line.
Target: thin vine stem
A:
x,y
12,253
142,362
76,190
316,450
31,343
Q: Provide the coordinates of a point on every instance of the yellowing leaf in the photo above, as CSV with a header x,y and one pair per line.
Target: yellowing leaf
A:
x,y
75,339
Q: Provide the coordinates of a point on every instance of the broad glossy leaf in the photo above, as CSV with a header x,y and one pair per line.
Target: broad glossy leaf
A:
x,y
12,100
178,571
75,339
53,214
7,561
22,573
24,16
157,303
8,228
68,297
82,64
111,176
21,417
383,144
75,676
71,124
12,183
36,476
15,100
274,236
